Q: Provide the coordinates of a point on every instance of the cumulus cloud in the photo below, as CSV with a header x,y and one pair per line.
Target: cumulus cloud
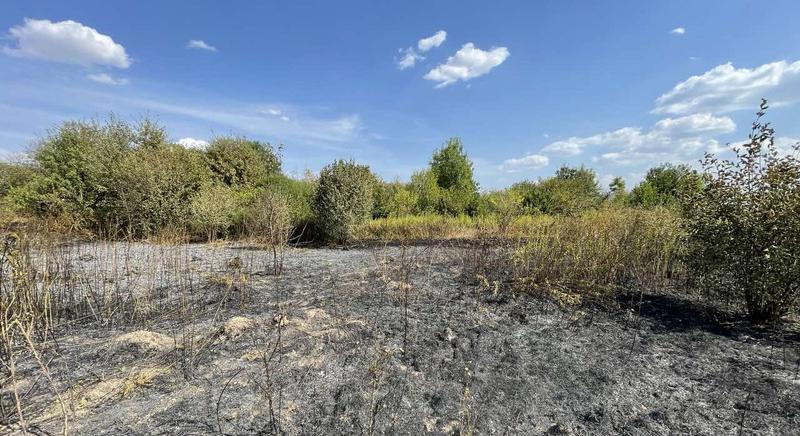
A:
x,y
695,124
410,56
106,79
430,42
678,31
527,162
467,63
66,42
199,44
673,139
193,143
726,88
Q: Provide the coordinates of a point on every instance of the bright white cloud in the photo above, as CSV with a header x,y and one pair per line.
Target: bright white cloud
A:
x,y
200,45
410,56
468,62
695,124
433,41
193,143
725,88
670,139
527,162
107,79
66,42
678,31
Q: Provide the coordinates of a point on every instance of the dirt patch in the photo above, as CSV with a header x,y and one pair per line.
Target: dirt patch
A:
x,y
142,343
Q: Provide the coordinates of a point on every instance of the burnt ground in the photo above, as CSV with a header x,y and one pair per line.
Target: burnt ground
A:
x,y
387,341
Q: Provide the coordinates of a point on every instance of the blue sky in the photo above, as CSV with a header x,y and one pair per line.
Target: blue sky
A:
x,y
619,86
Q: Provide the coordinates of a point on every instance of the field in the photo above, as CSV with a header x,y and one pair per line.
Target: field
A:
x,y
204,339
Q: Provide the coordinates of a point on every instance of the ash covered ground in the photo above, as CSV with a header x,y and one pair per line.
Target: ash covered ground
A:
x,y
387,340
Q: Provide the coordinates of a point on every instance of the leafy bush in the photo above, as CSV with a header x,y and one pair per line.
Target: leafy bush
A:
x,y
569,191
343,200
75,164
240,162
666,185
154,189
214,210
506,206
744,226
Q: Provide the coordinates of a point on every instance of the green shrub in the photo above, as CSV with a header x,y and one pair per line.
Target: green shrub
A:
x,y
240,162
666,185
75,164
343,200
424,188
214,211
744,226
569,191
154,189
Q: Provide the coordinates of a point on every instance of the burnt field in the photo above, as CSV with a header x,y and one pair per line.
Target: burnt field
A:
x,y
202,339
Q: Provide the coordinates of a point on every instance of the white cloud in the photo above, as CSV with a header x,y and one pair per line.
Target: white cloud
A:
x,y
433,41
107,79
410,56
409,59
670,139
527,162
192,143
469,62
725,88
200,45
678,31
695,123
66,42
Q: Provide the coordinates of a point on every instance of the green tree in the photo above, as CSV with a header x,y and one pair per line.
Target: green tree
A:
x,y
616,191
666,185
452,170
343,200
569,191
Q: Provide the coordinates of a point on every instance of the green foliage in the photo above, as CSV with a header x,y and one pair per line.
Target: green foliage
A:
x,y
616,191
240,162
76,163
13,175
569,191
452,170
343,200
213,210
744,226
299,195
666,185
423,186
154,189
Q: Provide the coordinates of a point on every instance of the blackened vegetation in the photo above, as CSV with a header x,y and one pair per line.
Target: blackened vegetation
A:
x,y
395,340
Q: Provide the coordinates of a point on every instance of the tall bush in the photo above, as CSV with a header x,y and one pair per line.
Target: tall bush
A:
x,y
744,226
240,162
343,200
666,185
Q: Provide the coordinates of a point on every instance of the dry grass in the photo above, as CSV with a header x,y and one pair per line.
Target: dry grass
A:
x,y
591,254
